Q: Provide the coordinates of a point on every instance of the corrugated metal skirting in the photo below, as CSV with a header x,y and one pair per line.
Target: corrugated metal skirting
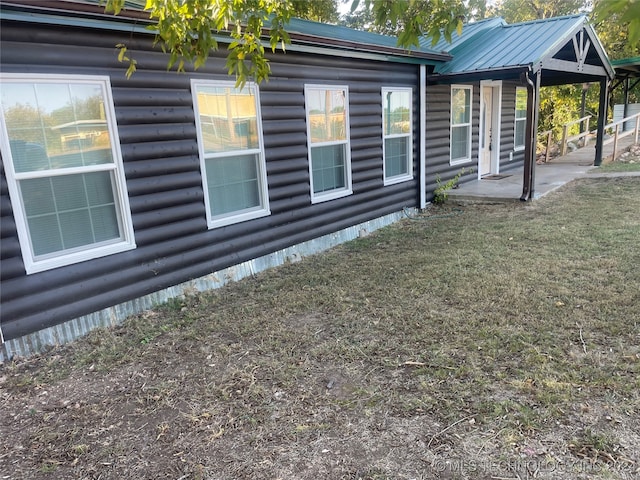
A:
x,y
109,317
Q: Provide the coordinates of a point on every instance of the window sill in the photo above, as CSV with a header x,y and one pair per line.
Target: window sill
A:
x,y
398,179
77,257
238,218
332,195
459,161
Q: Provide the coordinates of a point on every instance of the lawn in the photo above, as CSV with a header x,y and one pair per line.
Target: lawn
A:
x,y
617,167
628,161
486,342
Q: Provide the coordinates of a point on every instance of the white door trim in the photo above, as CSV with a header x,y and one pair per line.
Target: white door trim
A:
x,y
496,120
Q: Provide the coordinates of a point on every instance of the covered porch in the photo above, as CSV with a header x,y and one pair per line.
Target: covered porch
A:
x,y
507,186
540,53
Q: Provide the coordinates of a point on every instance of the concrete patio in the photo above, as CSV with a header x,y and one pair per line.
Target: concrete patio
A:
x,y
548,177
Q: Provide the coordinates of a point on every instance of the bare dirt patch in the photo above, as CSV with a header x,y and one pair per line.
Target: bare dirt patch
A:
x,y
502,343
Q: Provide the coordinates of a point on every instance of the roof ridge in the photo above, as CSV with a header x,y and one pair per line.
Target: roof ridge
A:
x,y
484,20
550,19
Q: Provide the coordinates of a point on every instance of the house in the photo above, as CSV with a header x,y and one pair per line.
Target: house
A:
x,y
627,77
118,194
499,68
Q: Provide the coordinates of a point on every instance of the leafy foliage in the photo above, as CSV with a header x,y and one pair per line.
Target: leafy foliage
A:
x,y
441,192
620,12
317,10
561,104
186,29
410,19
514,11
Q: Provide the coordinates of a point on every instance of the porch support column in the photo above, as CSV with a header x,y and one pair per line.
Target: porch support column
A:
x,y
423,140
533,105
602,119
625,113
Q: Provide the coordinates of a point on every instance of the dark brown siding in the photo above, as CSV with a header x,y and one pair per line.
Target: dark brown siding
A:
x,y
437,133
438,140
158,139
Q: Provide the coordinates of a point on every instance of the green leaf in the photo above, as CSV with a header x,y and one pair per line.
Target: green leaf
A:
x,y
122,52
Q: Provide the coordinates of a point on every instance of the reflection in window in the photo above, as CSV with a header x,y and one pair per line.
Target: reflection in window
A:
x,y
227,119
521,118
328,140
65,173
56,125
397,134
232,157
460,124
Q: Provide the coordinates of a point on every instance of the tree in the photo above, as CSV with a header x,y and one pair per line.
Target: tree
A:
x,y
622,12
185,29
318,10
412,19
514,11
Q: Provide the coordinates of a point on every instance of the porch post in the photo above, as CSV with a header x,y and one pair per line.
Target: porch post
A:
x,y
533,104
602,119
423,139
626,103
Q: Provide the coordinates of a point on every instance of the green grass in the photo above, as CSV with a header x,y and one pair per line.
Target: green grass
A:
x,y
474,335
617,167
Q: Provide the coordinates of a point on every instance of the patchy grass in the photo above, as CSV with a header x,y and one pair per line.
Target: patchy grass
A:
x,y
617,167
628,161
500,343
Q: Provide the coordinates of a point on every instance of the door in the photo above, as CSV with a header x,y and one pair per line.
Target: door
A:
x,y
486,135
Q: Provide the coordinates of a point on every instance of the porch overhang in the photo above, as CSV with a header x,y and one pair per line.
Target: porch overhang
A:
x,y
550,52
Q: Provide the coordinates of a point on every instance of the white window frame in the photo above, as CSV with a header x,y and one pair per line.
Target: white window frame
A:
x,y
67,257
516,147
339,192
237,216
409,175
458,161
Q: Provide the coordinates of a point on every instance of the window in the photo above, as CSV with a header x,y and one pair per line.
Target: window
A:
x,y
231,151
328,141
460,124
521,118
397,134
64,169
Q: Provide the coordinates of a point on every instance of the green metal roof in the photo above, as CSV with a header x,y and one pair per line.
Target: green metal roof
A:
x,y
627,67
499,46
626,62
340,36
469,32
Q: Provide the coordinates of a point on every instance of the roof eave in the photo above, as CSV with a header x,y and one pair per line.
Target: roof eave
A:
x,y
484,74
133,20
332,43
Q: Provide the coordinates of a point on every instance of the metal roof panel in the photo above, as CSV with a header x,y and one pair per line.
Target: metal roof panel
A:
x,y
506,46
469,30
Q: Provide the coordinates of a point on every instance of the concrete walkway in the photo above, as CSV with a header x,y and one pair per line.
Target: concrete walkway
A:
x,y
548,177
